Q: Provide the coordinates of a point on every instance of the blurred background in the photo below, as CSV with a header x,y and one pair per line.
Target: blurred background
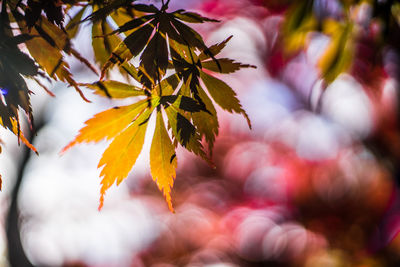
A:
x,y
314,183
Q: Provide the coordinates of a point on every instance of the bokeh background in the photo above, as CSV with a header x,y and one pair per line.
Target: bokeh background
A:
x,y
314,183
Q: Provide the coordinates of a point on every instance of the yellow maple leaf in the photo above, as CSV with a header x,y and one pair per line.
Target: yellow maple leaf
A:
x,y
163,160
120,156
107,124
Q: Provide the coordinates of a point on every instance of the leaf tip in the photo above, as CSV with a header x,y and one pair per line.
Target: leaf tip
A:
x,y
247,118
168,199
81,93
170,207
101,203
101,200
71,144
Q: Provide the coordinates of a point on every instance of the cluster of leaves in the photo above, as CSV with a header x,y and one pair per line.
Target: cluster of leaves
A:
x,y
47,42
173,63
173,79
14,64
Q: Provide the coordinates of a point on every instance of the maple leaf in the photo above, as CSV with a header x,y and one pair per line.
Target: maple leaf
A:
x,y
185,132
114,89
223,95
126,125
49,47
119,158
162,41
163,161
108,124
189,67
150,33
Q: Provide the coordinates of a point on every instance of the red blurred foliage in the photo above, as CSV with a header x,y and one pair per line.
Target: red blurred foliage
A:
x,y
265,205
277,60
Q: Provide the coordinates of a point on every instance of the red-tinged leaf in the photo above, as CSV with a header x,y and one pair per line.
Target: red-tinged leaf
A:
x,y
114,89
163,161
64,75
27,143
223,95
83,60
12,125
108,124
119,158
226,65
44,87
